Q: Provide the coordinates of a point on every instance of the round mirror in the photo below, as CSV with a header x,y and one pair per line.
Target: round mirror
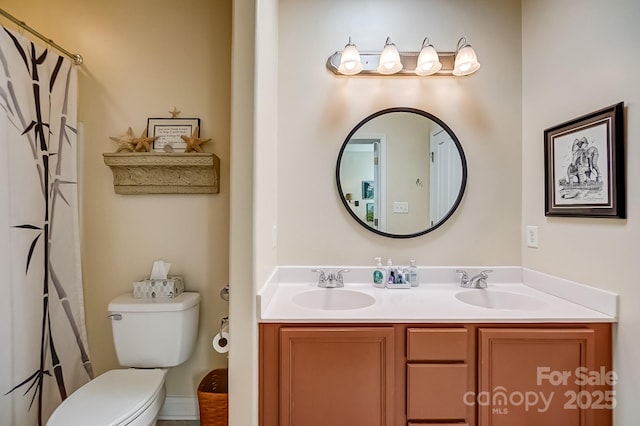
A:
x,y
401,172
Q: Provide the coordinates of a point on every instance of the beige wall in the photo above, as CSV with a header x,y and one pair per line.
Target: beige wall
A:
x,y
267,162
580,56
251,249
142,58
316,111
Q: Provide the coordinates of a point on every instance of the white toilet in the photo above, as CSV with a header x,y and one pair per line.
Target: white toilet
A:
x,y
150,335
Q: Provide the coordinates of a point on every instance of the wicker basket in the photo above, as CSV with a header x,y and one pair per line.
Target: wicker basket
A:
x,y
213,399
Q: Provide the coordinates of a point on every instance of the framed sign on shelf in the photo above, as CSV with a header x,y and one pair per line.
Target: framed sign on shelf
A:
x,y
169,131
584,166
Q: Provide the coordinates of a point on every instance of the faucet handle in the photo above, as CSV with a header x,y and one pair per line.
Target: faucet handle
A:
x,y
339,275
480,280
322,279
463,275
485,273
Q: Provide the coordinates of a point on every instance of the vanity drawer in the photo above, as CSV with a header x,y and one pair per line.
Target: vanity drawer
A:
x,y
436,391
437,424
437,344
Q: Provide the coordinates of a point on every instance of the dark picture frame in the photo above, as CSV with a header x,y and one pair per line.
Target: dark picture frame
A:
x,y
370,214
170,130
584,166
367,190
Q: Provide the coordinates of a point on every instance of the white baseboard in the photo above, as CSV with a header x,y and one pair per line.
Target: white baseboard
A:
x,y
179,408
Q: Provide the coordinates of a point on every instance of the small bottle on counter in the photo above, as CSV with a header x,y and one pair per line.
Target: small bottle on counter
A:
x,y
389,275
378,274
413,273
397,278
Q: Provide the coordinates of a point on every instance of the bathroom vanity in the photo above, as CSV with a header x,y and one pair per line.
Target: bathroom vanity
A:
x,y
424,356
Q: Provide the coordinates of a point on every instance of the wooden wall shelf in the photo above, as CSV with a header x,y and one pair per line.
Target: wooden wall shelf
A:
x,y
164,173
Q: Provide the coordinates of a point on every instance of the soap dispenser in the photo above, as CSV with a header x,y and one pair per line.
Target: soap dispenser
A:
x,y
378,274
413,273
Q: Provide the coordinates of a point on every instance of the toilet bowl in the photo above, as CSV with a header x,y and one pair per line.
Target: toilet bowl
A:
x,y
150,335
118,397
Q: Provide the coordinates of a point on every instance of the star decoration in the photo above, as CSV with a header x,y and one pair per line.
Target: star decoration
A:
x,y
175,112
125,142
193,142
143,143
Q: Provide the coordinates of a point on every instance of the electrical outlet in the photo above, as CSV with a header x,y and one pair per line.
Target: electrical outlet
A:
x,y
532,236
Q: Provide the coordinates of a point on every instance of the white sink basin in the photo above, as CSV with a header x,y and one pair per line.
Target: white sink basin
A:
x,y
333,299
496,299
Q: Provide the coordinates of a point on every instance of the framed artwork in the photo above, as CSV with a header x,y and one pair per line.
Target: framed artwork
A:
x,y
367,190
584,166
369,212
170,130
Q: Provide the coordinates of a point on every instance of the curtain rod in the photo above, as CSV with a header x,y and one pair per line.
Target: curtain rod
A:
x,y
75,57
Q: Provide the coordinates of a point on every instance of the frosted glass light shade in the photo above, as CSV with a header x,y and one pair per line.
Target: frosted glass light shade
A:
x,y
428,60
389,59
350,63
466,60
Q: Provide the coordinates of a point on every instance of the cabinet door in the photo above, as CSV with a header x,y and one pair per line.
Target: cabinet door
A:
x,y
338,376
528,376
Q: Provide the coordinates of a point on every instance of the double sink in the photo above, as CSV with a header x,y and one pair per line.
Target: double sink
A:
x,y
338,299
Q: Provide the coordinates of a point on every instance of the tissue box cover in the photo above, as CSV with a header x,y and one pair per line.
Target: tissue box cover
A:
x,y
152,288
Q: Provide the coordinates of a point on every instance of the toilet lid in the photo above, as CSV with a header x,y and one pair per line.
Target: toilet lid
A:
x,y
114,398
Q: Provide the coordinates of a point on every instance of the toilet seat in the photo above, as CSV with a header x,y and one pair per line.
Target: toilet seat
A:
x,y
117,397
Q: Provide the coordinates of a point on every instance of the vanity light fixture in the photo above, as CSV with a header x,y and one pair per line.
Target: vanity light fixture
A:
x,y
350,63
389,59
428,61
466,59
392,62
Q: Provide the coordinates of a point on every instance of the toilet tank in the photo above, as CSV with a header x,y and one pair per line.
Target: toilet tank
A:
x,y
150,333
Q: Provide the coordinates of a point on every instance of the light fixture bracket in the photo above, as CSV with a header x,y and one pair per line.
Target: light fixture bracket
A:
x,y
370,61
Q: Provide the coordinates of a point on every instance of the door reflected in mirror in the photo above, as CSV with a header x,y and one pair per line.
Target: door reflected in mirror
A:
x,y
401,172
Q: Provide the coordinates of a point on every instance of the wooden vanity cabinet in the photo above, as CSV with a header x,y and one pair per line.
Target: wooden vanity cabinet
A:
x,y
435,374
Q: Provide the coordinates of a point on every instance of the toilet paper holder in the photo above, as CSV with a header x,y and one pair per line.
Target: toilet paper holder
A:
x,y
223,323
221,340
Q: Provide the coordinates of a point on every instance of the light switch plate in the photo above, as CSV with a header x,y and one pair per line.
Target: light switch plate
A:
x,y
532,236
401,207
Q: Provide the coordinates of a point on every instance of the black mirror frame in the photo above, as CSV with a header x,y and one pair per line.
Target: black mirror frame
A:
x,y
463,160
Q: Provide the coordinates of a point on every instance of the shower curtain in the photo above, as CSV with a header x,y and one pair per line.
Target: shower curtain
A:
x,y
43,349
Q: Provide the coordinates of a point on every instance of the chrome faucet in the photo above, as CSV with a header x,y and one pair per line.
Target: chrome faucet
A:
x,y
331,280
477,281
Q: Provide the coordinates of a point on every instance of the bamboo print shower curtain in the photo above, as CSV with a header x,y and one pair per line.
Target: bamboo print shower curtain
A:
x,y
43,350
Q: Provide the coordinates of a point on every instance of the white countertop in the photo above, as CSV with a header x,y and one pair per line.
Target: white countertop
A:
x,y
434,299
